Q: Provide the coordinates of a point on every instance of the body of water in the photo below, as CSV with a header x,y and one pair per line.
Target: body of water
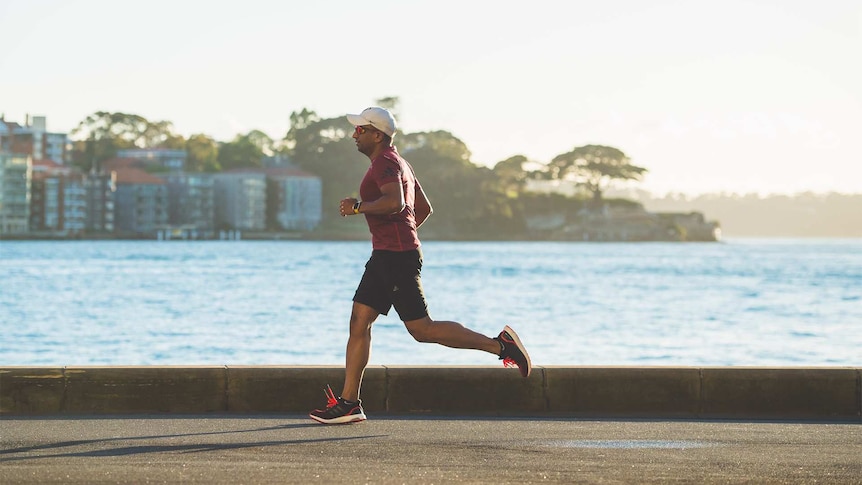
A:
x,y
741,302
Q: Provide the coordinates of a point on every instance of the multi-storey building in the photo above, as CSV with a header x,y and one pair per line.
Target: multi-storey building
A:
x,y
58,199
101,189
69,215
141,203
294,198
15,180
191,200
21,148
240,200
34,139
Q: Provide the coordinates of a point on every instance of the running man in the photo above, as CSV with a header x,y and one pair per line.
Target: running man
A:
x,y
395,206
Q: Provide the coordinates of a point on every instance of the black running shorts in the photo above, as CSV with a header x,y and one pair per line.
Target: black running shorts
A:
x,y
392,278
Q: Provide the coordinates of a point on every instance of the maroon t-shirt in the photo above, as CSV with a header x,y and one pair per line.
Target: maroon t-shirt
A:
x,y
393,232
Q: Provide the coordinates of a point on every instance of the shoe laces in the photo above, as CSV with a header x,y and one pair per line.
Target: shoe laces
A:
x,y
331,400
508,361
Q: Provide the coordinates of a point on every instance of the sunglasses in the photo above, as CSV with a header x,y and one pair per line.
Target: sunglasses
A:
x,y
361,130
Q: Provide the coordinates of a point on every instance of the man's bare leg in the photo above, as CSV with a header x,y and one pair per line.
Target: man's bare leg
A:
x,y
358,349
451,334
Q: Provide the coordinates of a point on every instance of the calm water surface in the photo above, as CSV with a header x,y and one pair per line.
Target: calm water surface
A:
x,y
743,302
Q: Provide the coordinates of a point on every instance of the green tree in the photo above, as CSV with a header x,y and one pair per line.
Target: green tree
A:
x,y
262,141
102,134
512,174
202,153
245,151
160,134
595,167
299,120
469,201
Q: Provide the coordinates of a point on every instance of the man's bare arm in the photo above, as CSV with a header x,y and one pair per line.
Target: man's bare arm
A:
x,y
423,206
390,202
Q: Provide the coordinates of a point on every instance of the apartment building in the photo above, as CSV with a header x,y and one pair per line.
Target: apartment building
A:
x,y
295,199
191,200
15,179
140,203
58,199
101,190
240,198
34,139
22,146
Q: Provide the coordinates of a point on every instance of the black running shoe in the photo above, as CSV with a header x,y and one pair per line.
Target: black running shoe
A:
x,y
338,410
513,353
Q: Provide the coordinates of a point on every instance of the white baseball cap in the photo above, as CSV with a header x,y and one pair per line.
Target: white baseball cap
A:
x,y
377,117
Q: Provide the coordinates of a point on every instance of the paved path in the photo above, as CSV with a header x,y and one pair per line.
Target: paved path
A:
x,y
293,449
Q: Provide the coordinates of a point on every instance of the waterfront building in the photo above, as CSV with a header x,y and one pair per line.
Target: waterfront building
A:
x,y
33,139
58,199
240,200
141,203
294,199
100,189
191,201
15,179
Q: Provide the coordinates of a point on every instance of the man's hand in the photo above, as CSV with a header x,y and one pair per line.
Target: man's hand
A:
x,y
346,206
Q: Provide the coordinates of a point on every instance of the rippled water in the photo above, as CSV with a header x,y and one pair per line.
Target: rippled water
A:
x,y
746,302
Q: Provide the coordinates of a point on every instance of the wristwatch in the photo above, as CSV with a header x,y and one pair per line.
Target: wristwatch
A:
x,y
356,207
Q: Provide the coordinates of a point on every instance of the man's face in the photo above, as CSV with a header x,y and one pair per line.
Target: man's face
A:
x,y
366,138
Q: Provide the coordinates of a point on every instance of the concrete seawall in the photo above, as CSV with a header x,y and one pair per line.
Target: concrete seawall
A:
x,y
819,393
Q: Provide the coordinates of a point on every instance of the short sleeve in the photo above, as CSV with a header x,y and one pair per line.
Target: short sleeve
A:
x,y
387,172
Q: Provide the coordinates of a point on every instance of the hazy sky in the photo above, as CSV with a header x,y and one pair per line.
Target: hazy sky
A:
x,y
732,95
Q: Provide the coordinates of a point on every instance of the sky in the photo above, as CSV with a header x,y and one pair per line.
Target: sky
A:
x,y
736,96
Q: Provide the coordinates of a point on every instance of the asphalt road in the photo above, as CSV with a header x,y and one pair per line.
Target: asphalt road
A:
x,y
293,449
